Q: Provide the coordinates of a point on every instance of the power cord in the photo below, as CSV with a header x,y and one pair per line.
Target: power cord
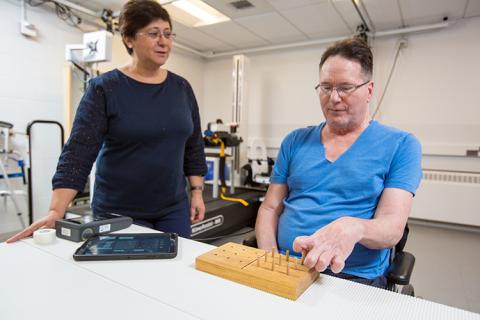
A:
x,y
401,45
62,11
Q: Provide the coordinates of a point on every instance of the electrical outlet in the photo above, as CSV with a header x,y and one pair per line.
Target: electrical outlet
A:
x,y
27,29
472,153
403,43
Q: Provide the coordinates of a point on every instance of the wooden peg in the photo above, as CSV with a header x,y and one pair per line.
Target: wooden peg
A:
x,y
296,263
303,257
288,269
287,253
273,264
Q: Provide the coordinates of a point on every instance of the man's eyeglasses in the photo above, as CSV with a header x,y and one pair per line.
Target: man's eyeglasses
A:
x,y
154,35
342,90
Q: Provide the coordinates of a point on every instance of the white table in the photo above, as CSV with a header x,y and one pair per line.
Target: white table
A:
x,y
44,282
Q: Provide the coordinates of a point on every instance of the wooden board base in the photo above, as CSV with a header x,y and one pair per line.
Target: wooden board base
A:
x,y
240,264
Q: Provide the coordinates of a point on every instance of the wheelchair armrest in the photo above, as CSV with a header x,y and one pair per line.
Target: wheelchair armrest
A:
x,y
251,242
401,268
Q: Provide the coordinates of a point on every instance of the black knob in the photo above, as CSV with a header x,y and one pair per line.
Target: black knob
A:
x,y
87,233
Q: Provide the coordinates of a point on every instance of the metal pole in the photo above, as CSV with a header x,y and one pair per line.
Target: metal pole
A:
x,y
30,165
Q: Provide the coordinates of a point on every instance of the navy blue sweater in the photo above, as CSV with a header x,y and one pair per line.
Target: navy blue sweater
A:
x,y
145,138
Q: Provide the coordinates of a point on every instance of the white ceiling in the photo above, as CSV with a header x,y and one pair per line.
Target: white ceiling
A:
x,y
274,22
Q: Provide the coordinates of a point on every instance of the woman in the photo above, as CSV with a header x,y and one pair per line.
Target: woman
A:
x,y
141,124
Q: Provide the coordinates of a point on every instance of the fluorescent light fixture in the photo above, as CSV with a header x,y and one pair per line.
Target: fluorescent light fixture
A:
x,y
195,13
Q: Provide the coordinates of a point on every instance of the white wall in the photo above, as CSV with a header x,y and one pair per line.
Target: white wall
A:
x,y
32,82
31,86
281,92
31,70
433,93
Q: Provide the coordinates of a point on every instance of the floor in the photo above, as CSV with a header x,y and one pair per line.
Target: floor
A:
x,y
9,221
446,269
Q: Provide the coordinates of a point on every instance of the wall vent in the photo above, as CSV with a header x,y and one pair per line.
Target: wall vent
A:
x,y
470,178
448,196
242,4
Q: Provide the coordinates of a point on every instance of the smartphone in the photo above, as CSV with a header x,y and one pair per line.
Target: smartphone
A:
x,y
125,246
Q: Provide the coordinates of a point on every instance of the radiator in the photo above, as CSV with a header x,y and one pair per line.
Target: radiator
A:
x,y
447,196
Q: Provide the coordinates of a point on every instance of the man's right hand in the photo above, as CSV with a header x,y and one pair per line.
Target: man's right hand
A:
x,y
46,222
330,245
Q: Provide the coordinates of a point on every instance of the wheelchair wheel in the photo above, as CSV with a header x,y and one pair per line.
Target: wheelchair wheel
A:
x,y
408,290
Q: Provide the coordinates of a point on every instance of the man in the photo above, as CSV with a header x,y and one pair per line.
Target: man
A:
x,y
342,191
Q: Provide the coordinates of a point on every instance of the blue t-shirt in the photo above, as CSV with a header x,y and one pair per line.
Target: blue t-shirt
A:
x,y
320,191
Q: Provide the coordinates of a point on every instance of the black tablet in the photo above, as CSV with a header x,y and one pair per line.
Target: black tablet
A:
x,y
123,246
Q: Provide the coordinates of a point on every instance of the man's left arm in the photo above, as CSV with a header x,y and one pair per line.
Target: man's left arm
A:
x,y
388,224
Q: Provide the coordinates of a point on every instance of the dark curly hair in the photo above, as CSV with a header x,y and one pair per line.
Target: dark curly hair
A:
x,y
137,14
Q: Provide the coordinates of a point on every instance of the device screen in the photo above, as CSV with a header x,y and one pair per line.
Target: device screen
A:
x,y
90,218
81,219
154,243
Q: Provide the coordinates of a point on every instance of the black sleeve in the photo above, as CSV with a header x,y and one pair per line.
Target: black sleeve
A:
x,y
194,160
86,139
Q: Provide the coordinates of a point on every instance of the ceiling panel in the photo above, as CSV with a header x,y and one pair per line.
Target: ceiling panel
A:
x,y
347,12
288,4
272,27
385,14
317,21
473,9
186,42
200,41
233,34
417,12
283,21
224,6
177,26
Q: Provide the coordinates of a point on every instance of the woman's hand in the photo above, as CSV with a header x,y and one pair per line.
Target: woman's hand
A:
x,y
197,207
46,222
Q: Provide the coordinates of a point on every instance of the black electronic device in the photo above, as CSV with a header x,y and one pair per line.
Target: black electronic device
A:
x,y
229,139
83,227
124,246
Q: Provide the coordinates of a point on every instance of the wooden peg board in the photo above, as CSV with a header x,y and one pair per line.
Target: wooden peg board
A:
x,y
238,263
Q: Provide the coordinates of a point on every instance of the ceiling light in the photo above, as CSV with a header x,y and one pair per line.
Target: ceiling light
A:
x,y
195,13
